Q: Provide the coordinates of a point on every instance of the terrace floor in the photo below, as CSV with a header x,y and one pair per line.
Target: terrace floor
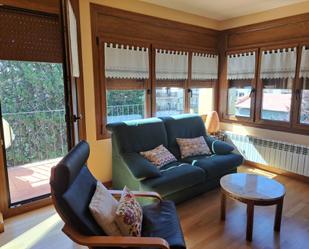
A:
x,y
30,180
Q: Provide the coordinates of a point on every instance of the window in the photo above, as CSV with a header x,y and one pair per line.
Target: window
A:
x,y
202,100
239,98
170,101
240,76
277,77
125,91
124,105
304,81
203,79
126,74
171,76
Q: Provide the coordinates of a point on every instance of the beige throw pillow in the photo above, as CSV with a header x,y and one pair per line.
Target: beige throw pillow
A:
x,y
192,146
159,156
103,208
129,215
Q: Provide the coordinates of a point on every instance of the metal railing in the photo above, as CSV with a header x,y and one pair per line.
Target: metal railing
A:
x,y
35,136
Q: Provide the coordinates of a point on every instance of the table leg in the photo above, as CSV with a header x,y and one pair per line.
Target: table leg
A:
x,y
278,215
250,213
223,206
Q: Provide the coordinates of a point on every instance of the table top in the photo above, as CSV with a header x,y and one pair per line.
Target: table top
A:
x,y
252,187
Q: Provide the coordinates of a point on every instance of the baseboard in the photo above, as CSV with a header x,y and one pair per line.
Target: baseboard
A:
x,y
277,171
1,223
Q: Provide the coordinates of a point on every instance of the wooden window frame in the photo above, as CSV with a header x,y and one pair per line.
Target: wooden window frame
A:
x,y
103,84
182,84
294,125
297,92
259,91
193,84
232,118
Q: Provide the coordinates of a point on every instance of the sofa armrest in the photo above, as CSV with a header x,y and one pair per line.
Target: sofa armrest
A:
x,y
219,147
114,241
140,166
155,195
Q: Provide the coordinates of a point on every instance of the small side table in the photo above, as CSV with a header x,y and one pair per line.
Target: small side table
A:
x,y
253,190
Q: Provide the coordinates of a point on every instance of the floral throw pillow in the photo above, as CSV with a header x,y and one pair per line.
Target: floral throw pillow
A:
x,y
129,215
192,146
159,156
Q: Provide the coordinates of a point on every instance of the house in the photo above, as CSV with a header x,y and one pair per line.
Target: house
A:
x,y
201,105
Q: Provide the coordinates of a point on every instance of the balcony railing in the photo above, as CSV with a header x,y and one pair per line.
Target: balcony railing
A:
x,y
118,113
36,136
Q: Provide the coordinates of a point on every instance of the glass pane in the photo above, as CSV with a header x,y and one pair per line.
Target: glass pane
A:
x,y
125,105
202,100
169,101
304,110
239,100
34,126
276,100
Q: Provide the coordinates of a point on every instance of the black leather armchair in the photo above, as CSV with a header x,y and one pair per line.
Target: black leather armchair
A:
x,y
72,187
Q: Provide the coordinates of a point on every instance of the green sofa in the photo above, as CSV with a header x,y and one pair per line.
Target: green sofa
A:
x,y
176,181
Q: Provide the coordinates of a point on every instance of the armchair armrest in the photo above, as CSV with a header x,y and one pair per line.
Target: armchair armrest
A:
x,y
114,241
138,194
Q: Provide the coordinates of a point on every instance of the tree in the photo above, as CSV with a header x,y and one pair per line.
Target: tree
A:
x,y
32,96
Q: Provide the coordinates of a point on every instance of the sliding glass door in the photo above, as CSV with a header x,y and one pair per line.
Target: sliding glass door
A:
x,y
39,106
34,126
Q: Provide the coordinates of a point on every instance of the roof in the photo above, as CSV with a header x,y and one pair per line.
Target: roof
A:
x,y
271,102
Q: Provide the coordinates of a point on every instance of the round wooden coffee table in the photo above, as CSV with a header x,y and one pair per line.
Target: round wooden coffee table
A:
x,y
253,190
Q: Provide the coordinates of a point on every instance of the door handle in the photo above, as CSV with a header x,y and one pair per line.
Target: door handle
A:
x,y
76,118
252,92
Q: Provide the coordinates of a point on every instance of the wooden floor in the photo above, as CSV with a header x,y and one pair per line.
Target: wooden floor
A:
x,y
200,219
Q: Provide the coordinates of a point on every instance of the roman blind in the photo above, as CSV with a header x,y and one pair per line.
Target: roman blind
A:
x,y
278,64
241,66
126,62
304,65
171,65
204,66
28,36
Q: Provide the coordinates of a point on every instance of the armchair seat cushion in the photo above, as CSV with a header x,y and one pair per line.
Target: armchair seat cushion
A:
x,y
216,166
174,177
161,220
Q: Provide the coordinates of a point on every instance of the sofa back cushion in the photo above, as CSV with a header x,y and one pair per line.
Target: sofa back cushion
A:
x,y
182,126
140,135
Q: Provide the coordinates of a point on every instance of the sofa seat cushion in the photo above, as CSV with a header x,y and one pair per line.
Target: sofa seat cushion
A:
x,y
161,220
216,166
174,177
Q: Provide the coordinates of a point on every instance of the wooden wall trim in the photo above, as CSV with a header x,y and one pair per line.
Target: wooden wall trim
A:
x,y
151,29
275,32
272,169
47,6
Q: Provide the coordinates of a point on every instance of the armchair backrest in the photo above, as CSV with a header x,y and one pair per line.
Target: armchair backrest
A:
x,y
72,187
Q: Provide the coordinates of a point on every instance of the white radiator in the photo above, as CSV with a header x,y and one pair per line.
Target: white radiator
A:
x,y
282,155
